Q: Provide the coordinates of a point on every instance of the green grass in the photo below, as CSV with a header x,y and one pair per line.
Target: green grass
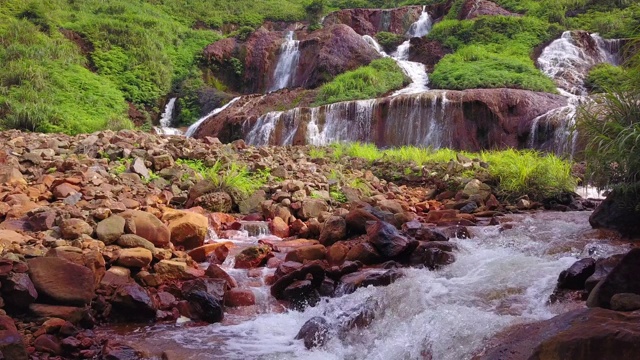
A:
x,y
232,178
605,76
512,172
379,77
491,52
317,153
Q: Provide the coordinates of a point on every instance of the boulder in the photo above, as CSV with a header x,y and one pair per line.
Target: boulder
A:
x,y
219,249
374,277
74,228
134,258
622,279
206,299
135,241
312,208
314,332
253,256
239,297
387,240
11,176
132,301
613,213
625,302
298,279
357,220
61,281
582,334
188,229
18,291
476,187
110,229
577,274
216,272
48,344
174,270
215,202
279,227
365,253
307,253
149,227
11,345
603,268
433,254
334,229
69,313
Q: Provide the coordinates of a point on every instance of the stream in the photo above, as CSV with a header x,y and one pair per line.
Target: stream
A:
x,y
502,276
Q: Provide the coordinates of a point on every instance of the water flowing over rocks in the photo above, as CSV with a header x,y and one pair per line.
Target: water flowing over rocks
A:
x,y
469,120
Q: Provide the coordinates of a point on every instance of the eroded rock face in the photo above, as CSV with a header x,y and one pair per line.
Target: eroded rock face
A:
x,y
622,279
471,9
469,120
613,214
372,21
582,334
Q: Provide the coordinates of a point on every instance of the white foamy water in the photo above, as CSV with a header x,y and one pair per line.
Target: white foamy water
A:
x,y
166,120
194,127
285,72
500,278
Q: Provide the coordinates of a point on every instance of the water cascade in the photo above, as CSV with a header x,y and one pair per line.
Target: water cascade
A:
x,y
418,119
502,277
567,60
194,127
285,72
414,70
166,119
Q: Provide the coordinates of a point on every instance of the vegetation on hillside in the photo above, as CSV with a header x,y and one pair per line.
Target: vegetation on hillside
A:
x,y
377,78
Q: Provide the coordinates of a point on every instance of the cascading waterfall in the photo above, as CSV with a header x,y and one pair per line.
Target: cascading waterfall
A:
x,y
415,70
166,119
285,72
419,119
194,127
568,61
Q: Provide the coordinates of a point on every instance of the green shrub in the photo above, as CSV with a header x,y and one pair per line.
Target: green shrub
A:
x,y
373,80
606,76
389,41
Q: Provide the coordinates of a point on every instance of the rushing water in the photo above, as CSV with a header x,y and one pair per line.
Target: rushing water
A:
x,y
194,127
568,61
166,120
285,72
502,276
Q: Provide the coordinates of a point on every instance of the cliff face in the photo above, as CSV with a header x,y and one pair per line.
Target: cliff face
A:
x,y
323,54
470,120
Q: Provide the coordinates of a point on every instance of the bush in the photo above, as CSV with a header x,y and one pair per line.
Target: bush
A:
x,y
389,41
373,80
606,76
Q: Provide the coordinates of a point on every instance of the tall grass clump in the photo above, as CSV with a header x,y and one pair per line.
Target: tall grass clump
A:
x,y
237,180
366,82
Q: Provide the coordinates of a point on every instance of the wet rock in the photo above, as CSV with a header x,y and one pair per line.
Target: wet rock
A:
x,y
613,213
206,299
575,276
365,253
357,220
18,291
48,344
219,249
216,272
625,302
582,334
149,227
75,228
433,255
174,270
11,345
315,271
62,281
387,240
110,229
239,297
314,332
374,277
116,351
603,268
134,258
622,279
132,301
307,253
253,256
279,227
334,229
421,232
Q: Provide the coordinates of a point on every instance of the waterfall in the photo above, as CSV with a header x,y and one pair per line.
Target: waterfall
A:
x,y
420,119
166,119
414,70
194,127
567,60
285,72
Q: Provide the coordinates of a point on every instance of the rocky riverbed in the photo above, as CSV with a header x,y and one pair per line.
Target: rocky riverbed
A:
x,y
118,228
